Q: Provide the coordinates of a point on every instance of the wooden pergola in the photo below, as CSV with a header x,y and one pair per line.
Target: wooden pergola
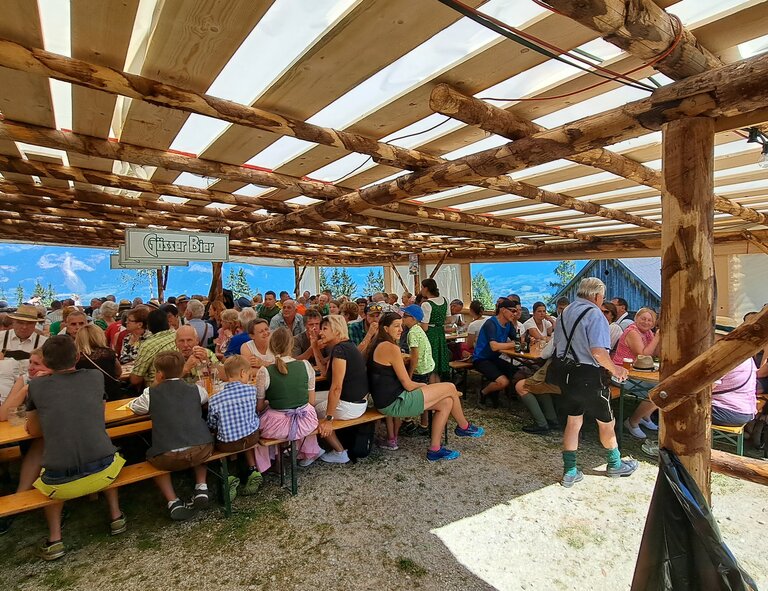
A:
x,y
577,188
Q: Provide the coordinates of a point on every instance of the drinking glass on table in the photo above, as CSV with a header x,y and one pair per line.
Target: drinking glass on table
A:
x,y
17,416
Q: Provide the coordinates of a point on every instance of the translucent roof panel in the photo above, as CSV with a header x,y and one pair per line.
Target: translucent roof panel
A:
x,y
54,21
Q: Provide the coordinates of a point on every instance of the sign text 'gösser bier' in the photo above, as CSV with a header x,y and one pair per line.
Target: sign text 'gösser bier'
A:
x,y
173,245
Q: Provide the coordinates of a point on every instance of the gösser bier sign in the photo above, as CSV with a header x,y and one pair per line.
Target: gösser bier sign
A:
x,y
144,244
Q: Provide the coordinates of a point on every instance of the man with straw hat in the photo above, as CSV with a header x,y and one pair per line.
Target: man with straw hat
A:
x,y
16,345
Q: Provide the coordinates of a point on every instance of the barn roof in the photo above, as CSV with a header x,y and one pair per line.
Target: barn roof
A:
x,y
281,122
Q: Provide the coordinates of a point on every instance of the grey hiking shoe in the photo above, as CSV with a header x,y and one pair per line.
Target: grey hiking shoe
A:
x,y
626,469
569,480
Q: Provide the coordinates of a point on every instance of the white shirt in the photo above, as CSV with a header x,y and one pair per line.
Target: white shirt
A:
x,y
427,308
531,323
10,369
262,378
624,321
267,357
475,326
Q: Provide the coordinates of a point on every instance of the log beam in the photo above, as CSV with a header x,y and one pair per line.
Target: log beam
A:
x,y
43,63
740,467
687,277
731,90
645,30
472,111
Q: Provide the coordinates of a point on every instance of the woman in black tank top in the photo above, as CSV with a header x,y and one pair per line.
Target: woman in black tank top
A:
x,y
395,394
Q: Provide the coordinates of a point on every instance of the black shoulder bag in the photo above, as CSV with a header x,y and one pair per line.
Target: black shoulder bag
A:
x,y
561,364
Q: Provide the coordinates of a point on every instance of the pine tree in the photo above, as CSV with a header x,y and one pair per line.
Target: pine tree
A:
x,y
238,283
19,295
373,282
347,286
323,279
134,279
50,294
40,293
481,290
565,271
335,282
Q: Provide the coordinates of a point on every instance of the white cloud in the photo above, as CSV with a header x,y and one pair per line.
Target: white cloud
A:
x,y
4,280
96,258
198,268
18,247
69,265
9,268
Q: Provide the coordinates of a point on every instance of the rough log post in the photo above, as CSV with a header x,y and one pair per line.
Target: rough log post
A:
x,y
754,240
399,277
740,467
216,292
687,274
296,278
438,265
160,286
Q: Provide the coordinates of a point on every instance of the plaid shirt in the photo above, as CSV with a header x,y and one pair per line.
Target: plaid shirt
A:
x,y
148,350
357,331
232,412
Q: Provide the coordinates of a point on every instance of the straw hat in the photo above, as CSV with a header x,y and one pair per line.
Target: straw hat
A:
x,y
643,363
25,313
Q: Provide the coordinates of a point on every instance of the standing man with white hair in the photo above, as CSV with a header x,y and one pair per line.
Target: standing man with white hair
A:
x,y
194,316
582,340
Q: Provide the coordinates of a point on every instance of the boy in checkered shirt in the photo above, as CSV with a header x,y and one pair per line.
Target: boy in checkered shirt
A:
x,y
232,416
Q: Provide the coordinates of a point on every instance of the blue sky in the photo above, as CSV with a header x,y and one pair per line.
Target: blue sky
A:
x,y
86,272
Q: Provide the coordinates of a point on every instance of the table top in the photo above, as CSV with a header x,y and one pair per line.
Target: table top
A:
x,y
644,376
455,336
14,433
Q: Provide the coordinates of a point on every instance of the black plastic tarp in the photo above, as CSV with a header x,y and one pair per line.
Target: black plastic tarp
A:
x,y
682,548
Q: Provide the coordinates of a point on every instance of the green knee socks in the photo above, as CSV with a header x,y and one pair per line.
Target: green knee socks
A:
x,y
613,457
569,463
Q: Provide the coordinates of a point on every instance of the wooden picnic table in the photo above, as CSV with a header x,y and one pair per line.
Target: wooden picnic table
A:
x,y
112,415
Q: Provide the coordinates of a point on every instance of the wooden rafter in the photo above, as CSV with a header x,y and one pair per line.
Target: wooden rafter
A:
x,y
728,91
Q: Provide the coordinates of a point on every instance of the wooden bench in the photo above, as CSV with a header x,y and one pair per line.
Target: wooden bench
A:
x,y
10,454
732,435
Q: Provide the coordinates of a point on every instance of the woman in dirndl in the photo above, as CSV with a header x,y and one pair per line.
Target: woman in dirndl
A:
x,y
435,309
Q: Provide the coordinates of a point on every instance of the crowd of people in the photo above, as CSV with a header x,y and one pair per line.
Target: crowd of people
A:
x,y
219,376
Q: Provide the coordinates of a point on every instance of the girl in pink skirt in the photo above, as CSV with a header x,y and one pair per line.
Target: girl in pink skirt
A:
x,y
285,395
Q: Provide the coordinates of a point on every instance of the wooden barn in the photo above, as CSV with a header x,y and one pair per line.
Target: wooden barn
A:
x,y
636,280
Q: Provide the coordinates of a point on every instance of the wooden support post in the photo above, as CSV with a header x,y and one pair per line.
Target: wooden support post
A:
x,y
687,274
466,283
217,290
160,285
438,265
399,277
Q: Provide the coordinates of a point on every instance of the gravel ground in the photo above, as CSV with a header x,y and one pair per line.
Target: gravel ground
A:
x,y
494,519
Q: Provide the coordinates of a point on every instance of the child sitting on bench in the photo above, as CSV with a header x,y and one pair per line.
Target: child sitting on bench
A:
x,y
232,416
180,436
66,408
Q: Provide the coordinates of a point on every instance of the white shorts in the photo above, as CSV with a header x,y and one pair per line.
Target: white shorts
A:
x,y
344,410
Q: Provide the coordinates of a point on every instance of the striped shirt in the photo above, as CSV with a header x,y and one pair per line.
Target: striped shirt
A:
x,y
148,350
232,412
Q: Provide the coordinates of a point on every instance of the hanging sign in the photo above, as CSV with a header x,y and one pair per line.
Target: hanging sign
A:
x,y
413,264
149,244
149,263
116,263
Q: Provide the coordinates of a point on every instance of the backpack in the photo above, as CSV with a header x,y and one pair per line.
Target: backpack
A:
x,y
358,440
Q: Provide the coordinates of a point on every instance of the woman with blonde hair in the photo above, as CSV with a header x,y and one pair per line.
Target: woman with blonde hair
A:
x,y
285,394
227,329
94,354
639,339
256,351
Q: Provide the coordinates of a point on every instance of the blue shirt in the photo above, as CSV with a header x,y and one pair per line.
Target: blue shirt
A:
x,y
492,330
232,412
235,343
591,333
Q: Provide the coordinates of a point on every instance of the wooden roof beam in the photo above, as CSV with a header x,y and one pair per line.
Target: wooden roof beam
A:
x,y
15,56
64,140
731,90
472,111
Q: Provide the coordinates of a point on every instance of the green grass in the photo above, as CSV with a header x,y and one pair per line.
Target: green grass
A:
x,y
59,579
578,536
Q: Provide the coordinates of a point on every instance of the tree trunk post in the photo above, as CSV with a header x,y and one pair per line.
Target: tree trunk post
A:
x,y
160,285
687,275
296,278
217,289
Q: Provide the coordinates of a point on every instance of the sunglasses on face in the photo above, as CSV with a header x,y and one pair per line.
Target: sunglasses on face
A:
x,y
375,308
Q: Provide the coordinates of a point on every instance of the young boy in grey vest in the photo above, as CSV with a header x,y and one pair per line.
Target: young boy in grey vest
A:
x,y
180,437
232,416
66,408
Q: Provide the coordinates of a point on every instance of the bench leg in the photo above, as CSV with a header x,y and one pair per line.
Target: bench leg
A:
x,y
280,466
225,488
740,444
621,417
294,469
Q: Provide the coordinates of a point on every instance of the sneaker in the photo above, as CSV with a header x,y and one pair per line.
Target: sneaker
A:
x,y
180,511
650,448
635,432
626,469
118,526
335,457
442,454
423,431
470,431
5,524
232,483
536,429
390,444
649,424
50,550
568,480
253,483
201,498
554,425
409,429
309,461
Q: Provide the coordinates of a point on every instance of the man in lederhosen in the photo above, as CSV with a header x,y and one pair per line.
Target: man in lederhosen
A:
x,y
15,346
